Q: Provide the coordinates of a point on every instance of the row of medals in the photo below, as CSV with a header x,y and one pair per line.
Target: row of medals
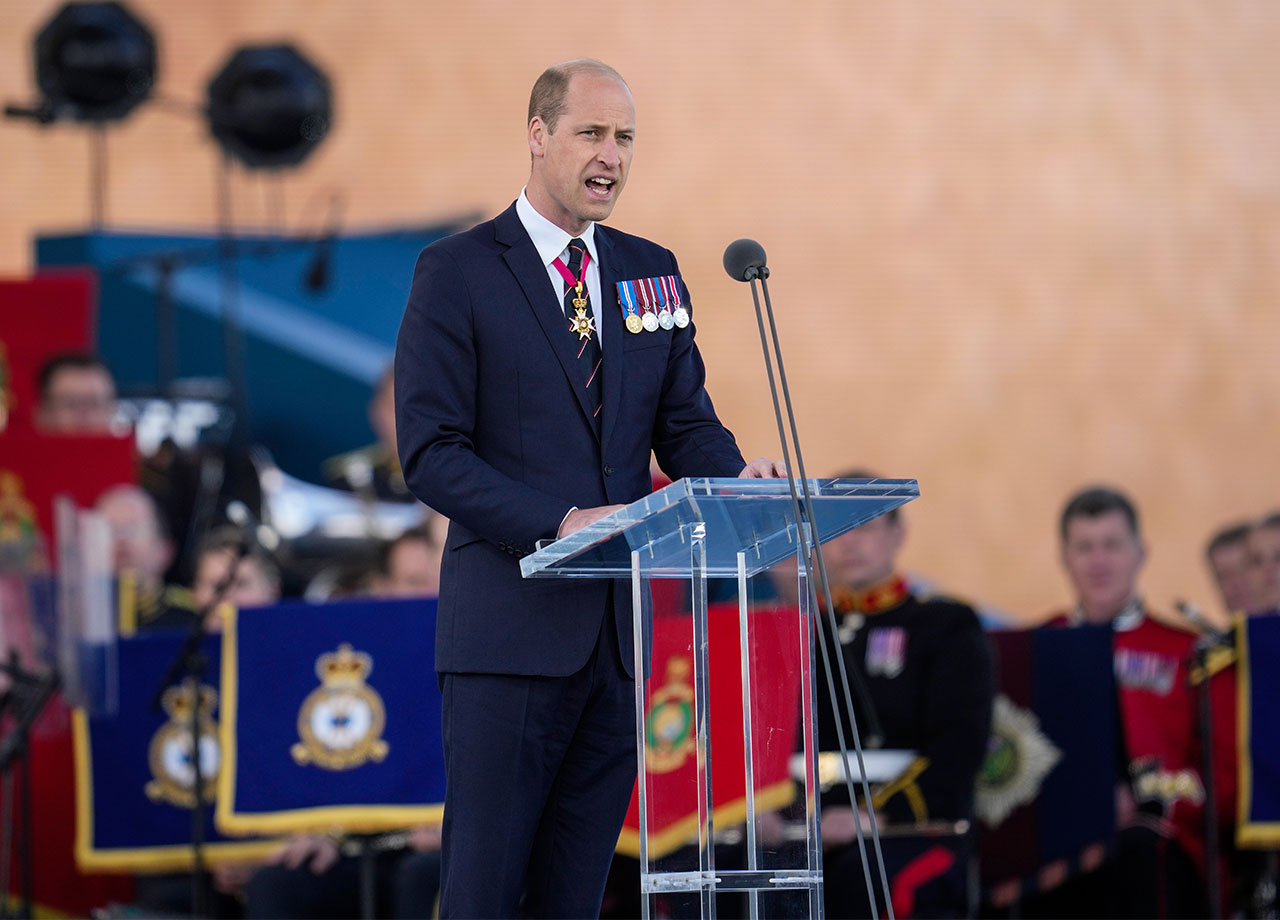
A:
x,y
665,319
585,325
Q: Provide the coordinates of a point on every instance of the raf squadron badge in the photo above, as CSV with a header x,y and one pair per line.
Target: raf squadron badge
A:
x,y
341,721
169,755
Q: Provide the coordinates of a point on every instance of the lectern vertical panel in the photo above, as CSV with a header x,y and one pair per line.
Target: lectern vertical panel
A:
x,y
725,817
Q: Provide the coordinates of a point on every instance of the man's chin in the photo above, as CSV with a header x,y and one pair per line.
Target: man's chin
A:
x,y
594,209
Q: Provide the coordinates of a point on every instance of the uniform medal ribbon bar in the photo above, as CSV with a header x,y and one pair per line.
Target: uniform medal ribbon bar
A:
x,y
660,297
627,300
648,311
657,302
679,314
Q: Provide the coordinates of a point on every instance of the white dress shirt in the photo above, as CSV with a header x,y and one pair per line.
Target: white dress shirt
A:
x,y
552,243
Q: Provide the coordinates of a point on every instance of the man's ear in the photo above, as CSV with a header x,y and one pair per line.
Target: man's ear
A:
x,y
537,136
900,533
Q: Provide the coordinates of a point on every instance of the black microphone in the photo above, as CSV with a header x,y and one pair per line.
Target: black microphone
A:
x,y
744,260
317,277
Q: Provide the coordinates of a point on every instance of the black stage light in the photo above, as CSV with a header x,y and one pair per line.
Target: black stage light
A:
x,y
94,62
269,106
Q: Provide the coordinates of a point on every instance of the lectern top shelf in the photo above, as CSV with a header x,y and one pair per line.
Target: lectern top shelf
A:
x,y
754,516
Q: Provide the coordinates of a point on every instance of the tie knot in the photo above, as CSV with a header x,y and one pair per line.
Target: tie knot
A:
x,y
576,249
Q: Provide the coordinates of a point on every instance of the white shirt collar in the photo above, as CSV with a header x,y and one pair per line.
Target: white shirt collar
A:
x,y
548,239
1130,616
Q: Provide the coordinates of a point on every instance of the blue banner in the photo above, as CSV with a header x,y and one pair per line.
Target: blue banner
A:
x,y
1258,648
1046,791
134,772
331,718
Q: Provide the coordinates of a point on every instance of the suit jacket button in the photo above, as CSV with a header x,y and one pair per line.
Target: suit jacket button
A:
x,y
608,471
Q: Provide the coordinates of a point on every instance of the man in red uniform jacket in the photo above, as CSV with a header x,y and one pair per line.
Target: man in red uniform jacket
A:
x,y
1158,868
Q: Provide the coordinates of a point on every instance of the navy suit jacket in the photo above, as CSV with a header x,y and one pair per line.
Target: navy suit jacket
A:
x,y
494,433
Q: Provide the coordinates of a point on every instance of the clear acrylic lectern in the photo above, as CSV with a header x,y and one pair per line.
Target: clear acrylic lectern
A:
x,y
748,828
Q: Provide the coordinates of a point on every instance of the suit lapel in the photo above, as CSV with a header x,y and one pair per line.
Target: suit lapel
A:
x,y
522,258
609,316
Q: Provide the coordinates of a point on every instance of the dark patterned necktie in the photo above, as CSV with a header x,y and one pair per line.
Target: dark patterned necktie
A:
x,y
589,346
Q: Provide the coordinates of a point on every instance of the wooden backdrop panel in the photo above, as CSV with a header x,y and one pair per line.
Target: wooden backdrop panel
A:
x,y
1016,247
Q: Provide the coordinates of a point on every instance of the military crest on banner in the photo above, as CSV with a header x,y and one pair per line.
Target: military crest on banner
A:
x,y
18,526
341,722
1019,757
6,389
170,754
668,724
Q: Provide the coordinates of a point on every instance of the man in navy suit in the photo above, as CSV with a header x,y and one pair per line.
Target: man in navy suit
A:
x,y
526,410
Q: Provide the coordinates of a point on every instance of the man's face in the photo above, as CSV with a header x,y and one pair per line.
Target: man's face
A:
x,y
413,570
1102,556
78,400
1264,570
1230,566
137,543
580,168
251,587
865,555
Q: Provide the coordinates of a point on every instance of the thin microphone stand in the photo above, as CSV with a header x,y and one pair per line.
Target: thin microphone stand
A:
x,y
189,664
809,547
27,695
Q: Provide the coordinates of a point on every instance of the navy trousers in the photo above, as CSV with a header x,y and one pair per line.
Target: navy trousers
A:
x,y
540,772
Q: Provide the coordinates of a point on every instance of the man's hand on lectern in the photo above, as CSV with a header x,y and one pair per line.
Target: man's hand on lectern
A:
x,y
579,518
763,468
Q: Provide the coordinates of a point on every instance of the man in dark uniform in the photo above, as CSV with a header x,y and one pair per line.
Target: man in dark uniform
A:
x,y
373,471
142,551
928,670
1227,554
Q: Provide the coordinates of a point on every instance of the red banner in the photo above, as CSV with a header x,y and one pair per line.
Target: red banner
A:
x,y
39,317
672,767
33,469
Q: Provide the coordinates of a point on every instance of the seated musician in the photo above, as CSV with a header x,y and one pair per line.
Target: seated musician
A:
x,y
927,667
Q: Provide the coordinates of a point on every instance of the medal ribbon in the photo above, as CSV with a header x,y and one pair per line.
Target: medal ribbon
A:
x,y
576,283
646,304
627,298
671,284
655,292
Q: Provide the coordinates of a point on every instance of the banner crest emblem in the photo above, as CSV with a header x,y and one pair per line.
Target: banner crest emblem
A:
x,y
341,721
669,722
170,756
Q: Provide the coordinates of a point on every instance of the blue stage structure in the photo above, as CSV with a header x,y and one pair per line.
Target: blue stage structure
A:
x,y
318,316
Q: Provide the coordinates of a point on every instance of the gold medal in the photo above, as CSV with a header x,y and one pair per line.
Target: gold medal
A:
x,y
582,324
634,324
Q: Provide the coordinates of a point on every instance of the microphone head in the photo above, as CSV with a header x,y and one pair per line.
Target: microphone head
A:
x,y
316,278
743,259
